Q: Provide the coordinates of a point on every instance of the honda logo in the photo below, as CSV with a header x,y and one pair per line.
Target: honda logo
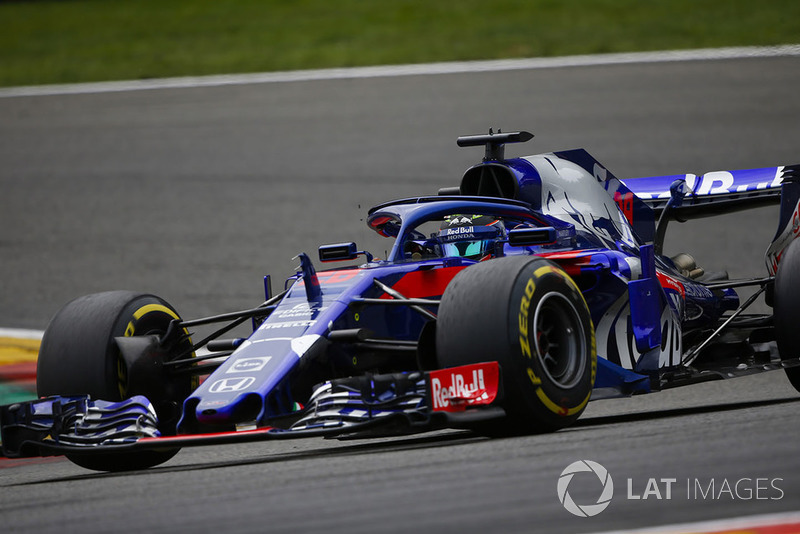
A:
x,y
230,385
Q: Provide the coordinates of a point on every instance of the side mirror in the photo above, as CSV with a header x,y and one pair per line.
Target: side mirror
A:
x,y
525,237
341,252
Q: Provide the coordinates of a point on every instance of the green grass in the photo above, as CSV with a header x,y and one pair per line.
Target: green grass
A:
x,y
61,41
11,393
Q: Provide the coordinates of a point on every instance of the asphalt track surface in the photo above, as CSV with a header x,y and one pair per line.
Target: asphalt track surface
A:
x,y
194,194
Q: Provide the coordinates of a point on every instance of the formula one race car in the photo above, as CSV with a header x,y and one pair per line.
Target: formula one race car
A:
x,y
504,306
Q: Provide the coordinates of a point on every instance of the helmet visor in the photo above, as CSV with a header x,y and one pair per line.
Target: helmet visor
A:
x,y
466,249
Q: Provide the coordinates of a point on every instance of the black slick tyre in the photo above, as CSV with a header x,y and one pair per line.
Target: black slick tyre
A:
x,y
79,355
527,314
786,309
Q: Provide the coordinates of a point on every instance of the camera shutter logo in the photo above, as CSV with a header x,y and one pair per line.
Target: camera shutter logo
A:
x,y
586,510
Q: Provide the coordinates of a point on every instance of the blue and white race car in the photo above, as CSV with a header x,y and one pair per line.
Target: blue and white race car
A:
x,y
504,305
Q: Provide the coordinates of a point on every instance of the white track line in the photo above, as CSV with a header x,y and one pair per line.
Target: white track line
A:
x,y
405,70
20,333
718,525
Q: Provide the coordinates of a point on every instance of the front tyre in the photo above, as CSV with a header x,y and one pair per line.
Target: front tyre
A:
x,y
79,356
528,315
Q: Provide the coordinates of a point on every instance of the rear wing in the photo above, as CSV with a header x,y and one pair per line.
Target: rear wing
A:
x,y
688,196
712,193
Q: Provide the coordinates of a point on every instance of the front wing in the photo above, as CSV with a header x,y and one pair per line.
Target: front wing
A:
x,y
360,407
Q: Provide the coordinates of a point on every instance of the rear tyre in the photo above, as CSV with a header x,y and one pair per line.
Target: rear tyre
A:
x,y
528,315
786,308
79,355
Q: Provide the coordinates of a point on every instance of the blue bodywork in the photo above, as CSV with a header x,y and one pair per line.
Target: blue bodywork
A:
x,y
641,306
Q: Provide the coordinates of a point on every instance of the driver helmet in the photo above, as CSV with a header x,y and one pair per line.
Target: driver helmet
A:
x,y
470,236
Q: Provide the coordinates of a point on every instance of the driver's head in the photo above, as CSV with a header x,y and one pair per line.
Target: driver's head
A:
x,y
470,236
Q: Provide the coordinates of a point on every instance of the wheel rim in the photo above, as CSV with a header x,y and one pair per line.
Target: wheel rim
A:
x,y
559,339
